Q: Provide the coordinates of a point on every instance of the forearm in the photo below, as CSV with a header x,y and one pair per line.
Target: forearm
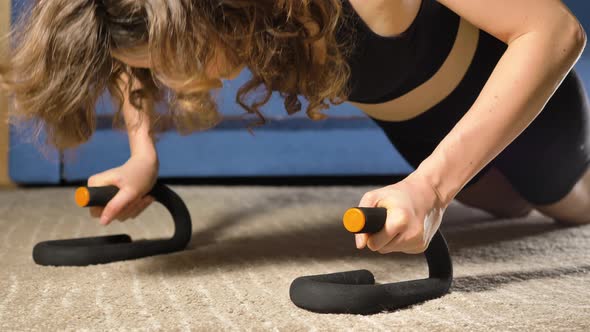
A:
x,y
521,84
140,141
138,126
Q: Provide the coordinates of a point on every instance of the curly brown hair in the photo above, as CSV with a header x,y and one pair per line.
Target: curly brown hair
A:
x,y
62,62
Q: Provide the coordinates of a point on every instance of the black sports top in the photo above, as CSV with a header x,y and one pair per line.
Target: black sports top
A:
x,y
384,68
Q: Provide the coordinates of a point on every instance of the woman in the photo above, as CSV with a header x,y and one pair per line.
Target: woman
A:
x,y
478,96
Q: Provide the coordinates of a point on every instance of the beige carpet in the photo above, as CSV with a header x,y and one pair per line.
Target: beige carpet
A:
x,y
250,242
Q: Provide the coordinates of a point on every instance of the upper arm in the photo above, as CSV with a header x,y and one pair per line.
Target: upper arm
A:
x,y
510,19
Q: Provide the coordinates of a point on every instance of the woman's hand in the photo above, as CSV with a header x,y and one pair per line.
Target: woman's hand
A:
x,y
135,179
414,214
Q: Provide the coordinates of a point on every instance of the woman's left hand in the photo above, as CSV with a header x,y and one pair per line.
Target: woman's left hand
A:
x,y
414,214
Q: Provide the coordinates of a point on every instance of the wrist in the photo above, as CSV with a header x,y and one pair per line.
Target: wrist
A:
x,y
441,186
141,145
425,190
147,156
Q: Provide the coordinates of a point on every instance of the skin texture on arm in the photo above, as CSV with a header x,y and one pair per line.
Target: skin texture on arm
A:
x,y
138,125
544,42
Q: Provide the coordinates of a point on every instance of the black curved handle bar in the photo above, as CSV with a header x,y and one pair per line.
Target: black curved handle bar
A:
x,y
355,292
107,249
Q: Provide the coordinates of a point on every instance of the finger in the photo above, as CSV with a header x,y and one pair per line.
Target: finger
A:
x,y
93,180
122,214
395,224
397,244
392,246
361,240
123,198
129,210
135,208
145,202
369,199
95,211
138,206
101,179
400,244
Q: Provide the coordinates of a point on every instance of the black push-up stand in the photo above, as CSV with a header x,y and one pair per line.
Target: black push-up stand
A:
x,y
107,249
355,292
352,292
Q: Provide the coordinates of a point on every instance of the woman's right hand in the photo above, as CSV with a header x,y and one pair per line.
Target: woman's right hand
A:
x,y
134,179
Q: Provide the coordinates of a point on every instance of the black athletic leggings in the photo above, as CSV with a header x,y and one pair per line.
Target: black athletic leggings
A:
x,y
543,163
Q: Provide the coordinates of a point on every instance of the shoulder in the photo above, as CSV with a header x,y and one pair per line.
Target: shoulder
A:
x,y
387,17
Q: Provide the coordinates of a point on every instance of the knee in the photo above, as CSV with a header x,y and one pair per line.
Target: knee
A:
x,y
567,217
573,221
574,208
505,210
512,213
